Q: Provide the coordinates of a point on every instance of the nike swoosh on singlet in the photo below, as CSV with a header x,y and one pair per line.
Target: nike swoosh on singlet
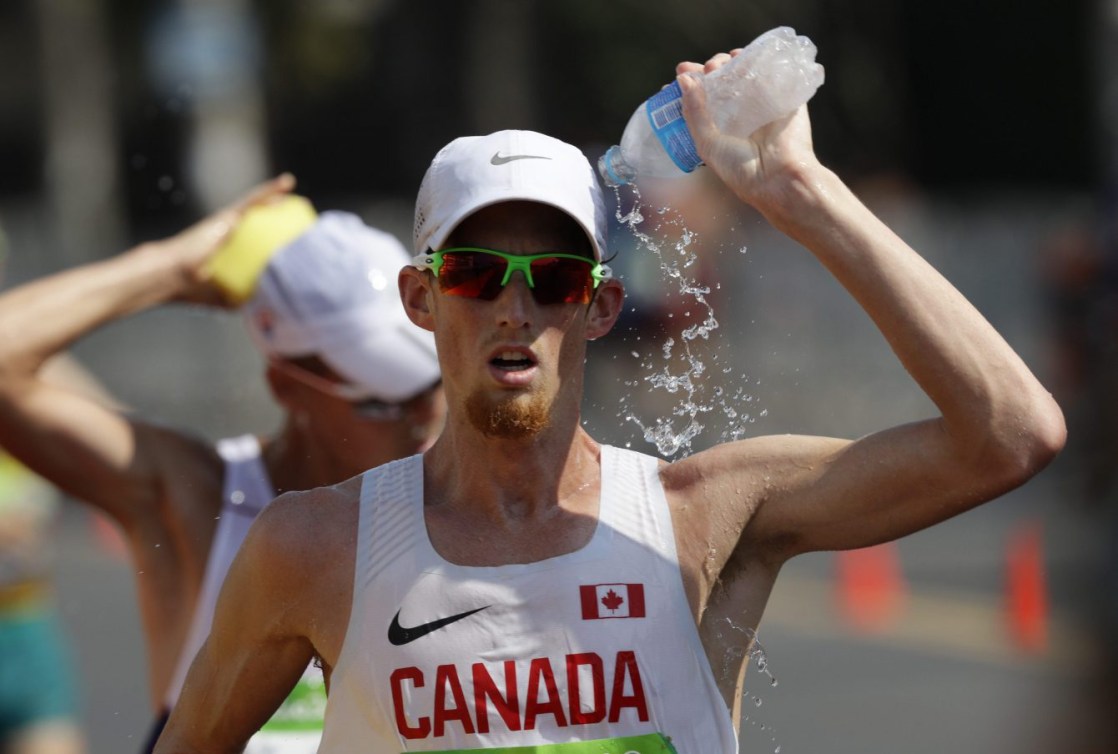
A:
x,y
398,635
500,159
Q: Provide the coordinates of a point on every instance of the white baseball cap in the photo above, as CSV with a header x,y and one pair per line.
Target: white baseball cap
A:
x,y
473,172
333,293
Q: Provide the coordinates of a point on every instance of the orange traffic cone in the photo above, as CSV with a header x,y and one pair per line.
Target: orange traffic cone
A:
x,y
1026,588
871,587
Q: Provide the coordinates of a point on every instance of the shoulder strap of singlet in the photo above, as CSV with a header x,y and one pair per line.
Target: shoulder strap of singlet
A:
x,y
246,489
389,495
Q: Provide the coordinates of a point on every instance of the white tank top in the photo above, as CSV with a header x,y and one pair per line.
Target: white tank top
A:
x,y
297,726
592,652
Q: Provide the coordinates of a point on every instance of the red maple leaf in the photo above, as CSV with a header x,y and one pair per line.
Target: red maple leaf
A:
x,y
612,601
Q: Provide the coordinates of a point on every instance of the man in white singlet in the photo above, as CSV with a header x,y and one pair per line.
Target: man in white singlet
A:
x,y
519,588
358,382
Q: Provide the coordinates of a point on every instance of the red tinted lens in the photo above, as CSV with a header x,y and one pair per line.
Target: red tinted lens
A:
x,y
472,274
562,281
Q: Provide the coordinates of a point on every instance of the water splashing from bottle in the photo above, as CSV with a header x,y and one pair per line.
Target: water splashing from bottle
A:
x,y
680,369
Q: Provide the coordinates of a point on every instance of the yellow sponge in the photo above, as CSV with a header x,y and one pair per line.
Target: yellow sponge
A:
x,y
262,231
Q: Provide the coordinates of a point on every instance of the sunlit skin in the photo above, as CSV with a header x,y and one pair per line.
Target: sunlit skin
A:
x,y
551,342
514,325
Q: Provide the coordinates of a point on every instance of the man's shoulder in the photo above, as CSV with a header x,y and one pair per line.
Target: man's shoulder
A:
x,y
330,501
310,519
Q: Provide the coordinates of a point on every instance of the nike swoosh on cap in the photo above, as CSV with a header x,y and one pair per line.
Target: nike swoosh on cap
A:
x,y
500,159
398,635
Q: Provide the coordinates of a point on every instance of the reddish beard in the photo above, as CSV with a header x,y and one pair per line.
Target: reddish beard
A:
x,y
508,418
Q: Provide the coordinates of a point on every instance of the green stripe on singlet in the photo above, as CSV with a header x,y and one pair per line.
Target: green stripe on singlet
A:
x,y
651,743
303,710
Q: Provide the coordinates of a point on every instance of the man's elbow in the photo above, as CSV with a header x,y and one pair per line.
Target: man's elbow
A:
x,y
1031,441
1054,433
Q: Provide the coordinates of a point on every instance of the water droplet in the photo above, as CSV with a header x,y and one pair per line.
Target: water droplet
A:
x,y
663,234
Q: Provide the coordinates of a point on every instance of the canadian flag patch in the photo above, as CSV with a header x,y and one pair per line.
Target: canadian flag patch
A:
x,y
601,601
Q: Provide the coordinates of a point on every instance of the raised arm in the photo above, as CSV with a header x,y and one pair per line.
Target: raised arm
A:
x,y
85,447
998,426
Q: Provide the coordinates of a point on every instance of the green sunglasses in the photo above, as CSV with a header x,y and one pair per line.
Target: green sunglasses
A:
x,y
553,277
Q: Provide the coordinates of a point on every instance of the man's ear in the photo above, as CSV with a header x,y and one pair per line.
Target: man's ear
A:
x,y
415,292
604,309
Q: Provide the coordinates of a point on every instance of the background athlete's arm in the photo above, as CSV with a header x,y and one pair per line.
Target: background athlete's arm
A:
x,y
95,453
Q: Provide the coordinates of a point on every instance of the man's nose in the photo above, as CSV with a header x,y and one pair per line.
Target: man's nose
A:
x,y
514,303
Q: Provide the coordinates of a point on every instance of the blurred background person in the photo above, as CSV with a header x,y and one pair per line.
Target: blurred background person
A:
x,y
358,383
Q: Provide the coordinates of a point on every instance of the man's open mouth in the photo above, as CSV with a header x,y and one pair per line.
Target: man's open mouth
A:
x,y
512,361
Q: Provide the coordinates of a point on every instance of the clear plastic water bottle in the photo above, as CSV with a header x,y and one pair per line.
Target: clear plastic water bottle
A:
x,y
770,78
